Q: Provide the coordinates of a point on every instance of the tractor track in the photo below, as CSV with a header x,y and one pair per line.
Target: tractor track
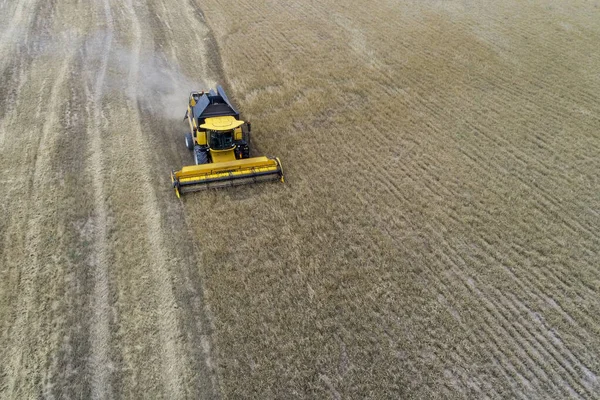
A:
x,y
101,385
102,296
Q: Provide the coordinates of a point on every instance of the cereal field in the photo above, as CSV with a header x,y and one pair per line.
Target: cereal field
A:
x,y
437,235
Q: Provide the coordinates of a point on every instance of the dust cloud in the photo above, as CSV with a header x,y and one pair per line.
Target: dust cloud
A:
x,y
162,88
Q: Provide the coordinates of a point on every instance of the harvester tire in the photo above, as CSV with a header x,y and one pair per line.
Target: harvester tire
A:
x,y
200,155
245,151
189,141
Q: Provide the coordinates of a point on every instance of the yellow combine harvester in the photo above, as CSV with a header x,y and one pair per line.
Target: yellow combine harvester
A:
x,y
220,142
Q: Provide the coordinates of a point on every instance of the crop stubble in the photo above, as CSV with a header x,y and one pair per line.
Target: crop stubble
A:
x,y
437,235
100,293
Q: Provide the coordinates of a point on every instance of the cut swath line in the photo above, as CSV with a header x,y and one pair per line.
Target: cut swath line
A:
x,y
172,355
40,174
100,331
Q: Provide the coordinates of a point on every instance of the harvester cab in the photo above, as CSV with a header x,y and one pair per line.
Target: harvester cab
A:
x,y
220,144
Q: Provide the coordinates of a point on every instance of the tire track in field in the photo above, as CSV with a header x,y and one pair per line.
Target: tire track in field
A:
x,y
573,364
172,356
25,223
18,23
490,176
550,205
491,325
553,351
197,323
537,346
506,361
99,362
510,146
536,338
16,66
12,237
553,47
509,372
24,348
69,375
517,153
384,172
429,188
18,182
542,196
538,81
506,87
12,81
526,227
527,286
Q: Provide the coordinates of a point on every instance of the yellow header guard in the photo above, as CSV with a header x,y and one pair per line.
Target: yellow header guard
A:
x,y
230,173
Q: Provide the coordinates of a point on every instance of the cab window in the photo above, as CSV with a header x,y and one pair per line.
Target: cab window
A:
x,y
221,140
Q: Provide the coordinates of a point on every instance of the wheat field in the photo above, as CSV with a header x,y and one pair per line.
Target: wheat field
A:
x,y
437,235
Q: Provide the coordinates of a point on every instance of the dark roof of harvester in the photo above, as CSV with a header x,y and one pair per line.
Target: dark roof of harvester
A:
x,y
213,104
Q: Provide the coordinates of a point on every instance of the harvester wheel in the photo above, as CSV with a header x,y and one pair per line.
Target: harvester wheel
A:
x,y
245,152
200,155
189,141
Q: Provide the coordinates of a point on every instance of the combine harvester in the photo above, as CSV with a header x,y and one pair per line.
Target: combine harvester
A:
x,y
220,142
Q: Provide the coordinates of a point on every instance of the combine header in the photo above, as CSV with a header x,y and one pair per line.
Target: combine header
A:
x,y
220,143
